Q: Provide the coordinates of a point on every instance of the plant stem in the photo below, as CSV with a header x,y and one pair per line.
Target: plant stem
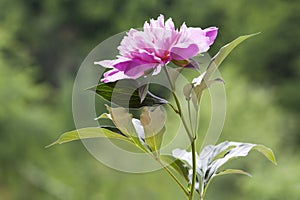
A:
x,y
191,136
194,169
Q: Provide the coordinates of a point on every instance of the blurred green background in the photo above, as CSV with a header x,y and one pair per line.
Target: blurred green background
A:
x,y
42,44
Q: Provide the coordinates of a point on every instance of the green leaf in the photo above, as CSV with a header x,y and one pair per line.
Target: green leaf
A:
x,y
104,116
153,122
123,121
198,85
214,64
224,52
266,152
143,91
125,93
187,91
177,165
90,132
232,171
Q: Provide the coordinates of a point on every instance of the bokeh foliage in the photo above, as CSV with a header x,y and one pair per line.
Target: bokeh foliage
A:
x,y
42,44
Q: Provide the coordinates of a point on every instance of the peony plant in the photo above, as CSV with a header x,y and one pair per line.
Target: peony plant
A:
x,y
161,48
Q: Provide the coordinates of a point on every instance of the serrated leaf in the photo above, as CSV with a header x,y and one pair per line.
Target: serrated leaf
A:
x,y
153,122
90,132
125,93
232,171
177,165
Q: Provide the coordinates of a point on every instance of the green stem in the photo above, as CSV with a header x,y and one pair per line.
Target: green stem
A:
x,y
179,110
191,136
190,118
202,190
194,169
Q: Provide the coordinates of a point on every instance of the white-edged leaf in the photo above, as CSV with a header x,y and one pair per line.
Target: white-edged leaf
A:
x,y
213,157
233,150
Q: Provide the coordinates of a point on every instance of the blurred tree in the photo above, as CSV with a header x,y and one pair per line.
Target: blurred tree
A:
x,y
42,43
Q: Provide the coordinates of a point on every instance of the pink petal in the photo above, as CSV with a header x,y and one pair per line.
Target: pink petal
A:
x,y
211,33
159,23
113,75
137,68
197,36
180,52
105,63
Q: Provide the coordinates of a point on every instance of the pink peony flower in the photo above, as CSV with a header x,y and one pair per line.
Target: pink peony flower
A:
x,y
146,52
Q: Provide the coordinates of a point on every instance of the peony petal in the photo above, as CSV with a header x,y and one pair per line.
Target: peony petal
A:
x,y
113,75
105,63
211,33
197,36
181,52
136,68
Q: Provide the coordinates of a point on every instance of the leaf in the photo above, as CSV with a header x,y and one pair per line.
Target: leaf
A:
x,y
177,165
125,93
266,152
124,122
225,50
213,157
231,150
232,171
187,91
143,91
104,116
90,132
153,122
198,85
203,81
